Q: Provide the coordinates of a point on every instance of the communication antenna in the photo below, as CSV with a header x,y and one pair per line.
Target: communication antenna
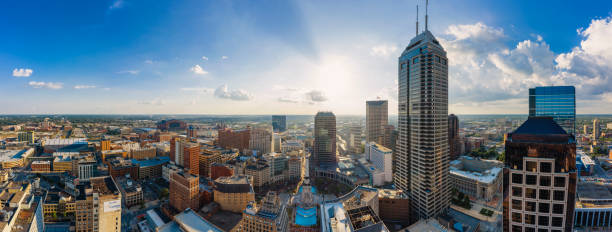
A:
x,y
417,19
426,16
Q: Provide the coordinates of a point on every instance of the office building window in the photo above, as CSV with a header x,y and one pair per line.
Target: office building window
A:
x,y
546,167
530,206
517,178
517,204
530,193
516,217
544,208
559,181
532,166
530,219
544,180
544,194
517,191
531,179
557,208
558,195
543,220
557,221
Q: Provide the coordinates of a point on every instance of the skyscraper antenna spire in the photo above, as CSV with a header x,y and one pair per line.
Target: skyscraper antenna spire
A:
x,y
426,16
417,21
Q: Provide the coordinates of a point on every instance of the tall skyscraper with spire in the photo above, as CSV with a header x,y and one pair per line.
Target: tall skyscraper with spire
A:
x,y
423,154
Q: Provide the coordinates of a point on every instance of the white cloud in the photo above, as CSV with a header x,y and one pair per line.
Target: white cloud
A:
x,y
589,65
224,57
22,72
197,89
117,4
234,94
84,86
204,58
482,68
316,96
485,73
384,50
132,72
197,69
148,61
477,30
155,101
48,85
288,100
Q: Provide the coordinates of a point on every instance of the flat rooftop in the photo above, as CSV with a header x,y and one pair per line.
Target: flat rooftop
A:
x,y
593,194
53,142
430,225
11,155
233,184
392,194
189,221
381,148
484,171
128,185
104,185
152,162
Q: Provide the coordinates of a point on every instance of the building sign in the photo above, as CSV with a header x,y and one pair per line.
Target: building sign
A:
x,y
111,206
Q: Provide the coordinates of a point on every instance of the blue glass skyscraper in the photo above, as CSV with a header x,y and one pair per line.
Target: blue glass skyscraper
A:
x,y
558,102
279,123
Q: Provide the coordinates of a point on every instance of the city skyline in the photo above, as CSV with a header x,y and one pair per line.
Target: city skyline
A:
x,y
125,57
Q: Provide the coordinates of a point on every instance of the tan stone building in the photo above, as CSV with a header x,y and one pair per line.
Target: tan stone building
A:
x,y
143,153
260,171
184,189
98,206
233,193
131,191
206,158
270,215
478,178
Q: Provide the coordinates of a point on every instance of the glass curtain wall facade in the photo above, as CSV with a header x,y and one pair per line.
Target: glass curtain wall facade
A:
x,y
558,102
279,123
423,155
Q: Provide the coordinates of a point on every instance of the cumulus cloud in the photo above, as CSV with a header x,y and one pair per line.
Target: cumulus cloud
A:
x,y
22,72
197,69
482,68
224,57
148,61
485,71
589,65
84,86
204,58
384,50
316,96
233,94
132,72
48,85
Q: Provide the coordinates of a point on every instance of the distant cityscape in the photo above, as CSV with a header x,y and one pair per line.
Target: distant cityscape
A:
x,y
422,169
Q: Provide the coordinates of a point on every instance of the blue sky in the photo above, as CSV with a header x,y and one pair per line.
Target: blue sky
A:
x,y
291,57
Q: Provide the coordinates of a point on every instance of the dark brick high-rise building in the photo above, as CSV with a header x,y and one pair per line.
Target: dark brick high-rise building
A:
x,y
539,177
238,139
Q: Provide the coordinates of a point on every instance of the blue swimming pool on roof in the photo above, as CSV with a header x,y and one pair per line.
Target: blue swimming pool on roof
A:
x,y
306,217
312,189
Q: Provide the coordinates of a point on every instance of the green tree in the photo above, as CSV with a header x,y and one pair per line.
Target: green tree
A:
x,y
163,193
502,156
